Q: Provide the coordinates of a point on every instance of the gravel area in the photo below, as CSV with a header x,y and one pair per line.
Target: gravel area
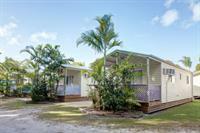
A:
x,y
26,121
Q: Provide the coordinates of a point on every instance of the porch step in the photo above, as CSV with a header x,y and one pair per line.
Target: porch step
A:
x,y
72,98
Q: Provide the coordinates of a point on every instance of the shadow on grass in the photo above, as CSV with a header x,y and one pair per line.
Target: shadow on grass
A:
x,y
188,115
13,104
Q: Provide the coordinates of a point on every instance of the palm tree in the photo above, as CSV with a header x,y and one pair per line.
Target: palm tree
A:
x,y
46,61
102,39
35,54
186,61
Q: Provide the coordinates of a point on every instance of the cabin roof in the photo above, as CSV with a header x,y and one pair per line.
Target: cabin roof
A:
x,y
150,56
75,67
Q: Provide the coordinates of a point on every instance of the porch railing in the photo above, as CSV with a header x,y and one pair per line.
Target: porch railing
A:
x,y
146,93
69,90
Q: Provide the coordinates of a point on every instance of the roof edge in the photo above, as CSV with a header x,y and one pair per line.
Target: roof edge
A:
x,y
148,56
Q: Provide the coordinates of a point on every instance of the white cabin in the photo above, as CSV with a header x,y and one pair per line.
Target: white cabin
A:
x,y
74,82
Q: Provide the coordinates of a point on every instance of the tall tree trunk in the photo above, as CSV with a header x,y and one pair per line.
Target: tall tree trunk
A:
x,y
104,66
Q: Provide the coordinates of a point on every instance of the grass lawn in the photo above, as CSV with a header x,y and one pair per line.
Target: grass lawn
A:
x,y
184,115
16,103
187,114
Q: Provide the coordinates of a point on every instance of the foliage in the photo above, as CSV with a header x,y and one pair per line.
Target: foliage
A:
x,y
96,72
198,67
94,96
39,92
103,38
115,93
46,62
186,61
11,71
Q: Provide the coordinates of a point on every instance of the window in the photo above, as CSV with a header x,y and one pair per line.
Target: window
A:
x,y
69,80
180,76
86,75
167,71
188,80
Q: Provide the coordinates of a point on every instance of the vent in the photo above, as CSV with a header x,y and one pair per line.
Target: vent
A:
x,y
169,72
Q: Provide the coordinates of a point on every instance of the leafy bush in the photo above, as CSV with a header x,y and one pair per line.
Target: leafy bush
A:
x,y
117,98
39,92
114,92
93,95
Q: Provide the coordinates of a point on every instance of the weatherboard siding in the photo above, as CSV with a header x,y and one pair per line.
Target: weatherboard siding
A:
x,y
177,90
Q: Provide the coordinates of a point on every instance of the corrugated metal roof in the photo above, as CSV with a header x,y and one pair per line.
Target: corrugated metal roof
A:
x,y
148,56
74,67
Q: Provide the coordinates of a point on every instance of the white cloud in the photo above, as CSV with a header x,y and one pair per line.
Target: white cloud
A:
x,y
40,36
7,29
187,24
155,19
169,17
195,8
168,3
15,40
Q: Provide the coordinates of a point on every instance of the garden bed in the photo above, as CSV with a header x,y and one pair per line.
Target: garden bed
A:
x,y
119,114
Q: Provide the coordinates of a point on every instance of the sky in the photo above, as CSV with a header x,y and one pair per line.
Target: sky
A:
x,y
169,29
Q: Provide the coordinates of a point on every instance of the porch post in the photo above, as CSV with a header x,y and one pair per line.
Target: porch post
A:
x,y
65,77
117,58
148,76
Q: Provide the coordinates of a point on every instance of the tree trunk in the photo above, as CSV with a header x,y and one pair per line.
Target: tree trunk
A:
x,y
104,66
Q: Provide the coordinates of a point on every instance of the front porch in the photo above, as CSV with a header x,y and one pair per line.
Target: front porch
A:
x,y
148,86
69,88
73,84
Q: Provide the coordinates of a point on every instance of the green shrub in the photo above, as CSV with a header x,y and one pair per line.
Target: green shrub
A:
x,y
114,92
117,98
39,92
94,96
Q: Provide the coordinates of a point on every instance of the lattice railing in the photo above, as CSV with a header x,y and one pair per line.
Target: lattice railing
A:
x,y
144,93
69,90
147,93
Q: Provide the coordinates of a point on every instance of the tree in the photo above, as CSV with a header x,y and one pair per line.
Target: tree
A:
x,y
47,62
6,70
198,66
12,70
52,61
96,72
115,93
35,57
186,61
102,39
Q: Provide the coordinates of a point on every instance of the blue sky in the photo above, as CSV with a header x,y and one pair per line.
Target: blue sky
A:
x,y
168,29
